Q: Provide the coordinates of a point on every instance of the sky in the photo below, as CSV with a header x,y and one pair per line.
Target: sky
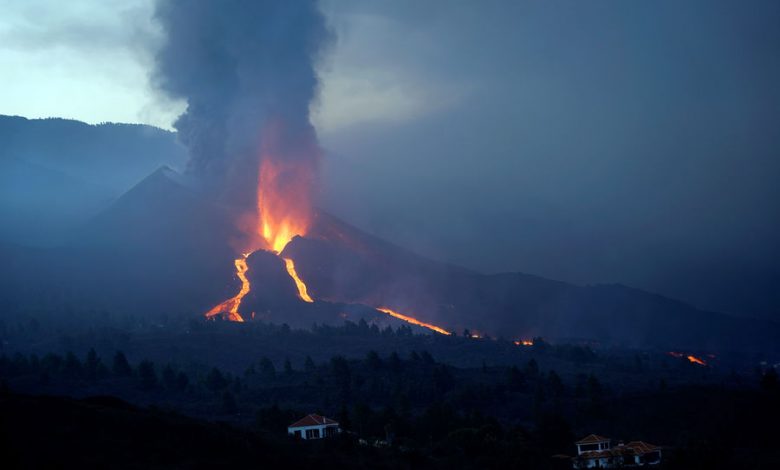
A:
x,y
602,141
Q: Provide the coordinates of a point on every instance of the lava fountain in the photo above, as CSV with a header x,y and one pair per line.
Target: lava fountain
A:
x,y
283,209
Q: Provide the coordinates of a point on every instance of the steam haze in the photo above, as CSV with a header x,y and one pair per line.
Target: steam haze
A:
x,y
366,234
628,142
609,142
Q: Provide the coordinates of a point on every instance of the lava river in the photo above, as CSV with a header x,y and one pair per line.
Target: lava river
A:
x,y
229,309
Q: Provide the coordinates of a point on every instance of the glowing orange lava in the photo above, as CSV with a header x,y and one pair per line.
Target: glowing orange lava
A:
x,y
413,321
229,308
696,360
303,293
283,206
524,342
288,163
691,358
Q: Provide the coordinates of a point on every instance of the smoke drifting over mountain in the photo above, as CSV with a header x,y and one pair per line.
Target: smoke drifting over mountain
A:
x,y
246,71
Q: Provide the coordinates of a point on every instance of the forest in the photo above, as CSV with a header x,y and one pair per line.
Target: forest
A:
x,y
407,400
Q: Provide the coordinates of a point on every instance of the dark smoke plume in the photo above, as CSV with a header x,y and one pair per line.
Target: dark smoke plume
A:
x,y
241,65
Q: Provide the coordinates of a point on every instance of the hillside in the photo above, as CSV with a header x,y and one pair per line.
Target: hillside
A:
x,y
56,173
163,248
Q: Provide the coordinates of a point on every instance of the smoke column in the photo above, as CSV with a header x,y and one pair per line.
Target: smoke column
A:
x,y
246,71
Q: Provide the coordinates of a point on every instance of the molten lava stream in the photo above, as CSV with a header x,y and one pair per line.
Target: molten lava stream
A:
x,y
303,292
691,358
413,321
696,360
229,308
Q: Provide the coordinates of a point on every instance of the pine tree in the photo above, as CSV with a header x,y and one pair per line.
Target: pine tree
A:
x,y
147,375
267,368
373,361
121,366
169,377
229,403
215,381
72,367
182,381
91,365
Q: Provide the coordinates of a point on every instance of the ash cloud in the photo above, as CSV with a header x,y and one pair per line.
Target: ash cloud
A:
x,y
240,65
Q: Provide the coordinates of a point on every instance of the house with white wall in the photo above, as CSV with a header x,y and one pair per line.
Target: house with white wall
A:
x,y
314,426
596,451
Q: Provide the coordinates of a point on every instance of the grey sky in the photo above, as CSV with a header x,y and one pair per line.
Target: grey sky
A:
x,y
602,141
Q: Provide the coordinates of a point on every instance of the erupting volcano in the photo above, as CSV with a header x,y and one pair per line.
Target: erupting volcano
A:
x,y
252,147
284,211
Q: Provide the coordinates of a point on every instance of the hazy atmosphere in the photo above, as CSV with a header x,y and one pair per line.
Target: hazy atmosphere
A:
x,y
390,234
591,143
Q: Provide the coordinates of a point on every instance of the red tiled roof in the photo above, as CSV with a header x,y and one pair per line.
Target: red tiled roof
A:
x,y
312,420
593,439
641,447
632,448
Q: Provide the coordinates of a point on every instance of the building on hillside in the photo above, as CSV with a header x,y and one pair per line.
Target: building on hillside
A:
x,y
597,452
314,427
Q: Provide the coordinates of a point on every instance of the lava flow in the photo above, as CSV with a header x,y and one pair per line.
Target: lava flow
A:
x,y
413,321
696,360
303,293
229,308
691,358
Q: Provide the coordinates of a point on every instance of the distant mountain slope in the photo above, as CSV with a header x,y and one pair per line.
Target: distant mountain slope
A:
x,y
165,247
56,173
112,155
40,206
341,263
158,248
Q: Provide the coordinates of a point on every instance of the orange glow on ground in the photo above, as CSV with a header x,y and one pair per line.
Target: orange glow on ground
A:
x,y
524,342
303,293
229,308
413,321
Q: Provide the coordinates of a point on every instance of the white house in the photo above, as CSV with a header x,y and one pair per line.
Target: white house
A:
x,y
595,451
314,427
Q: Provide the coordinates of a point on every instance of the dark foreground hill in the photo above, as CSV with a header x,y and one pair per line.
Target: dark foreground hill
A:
x,y
427,414
105,432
